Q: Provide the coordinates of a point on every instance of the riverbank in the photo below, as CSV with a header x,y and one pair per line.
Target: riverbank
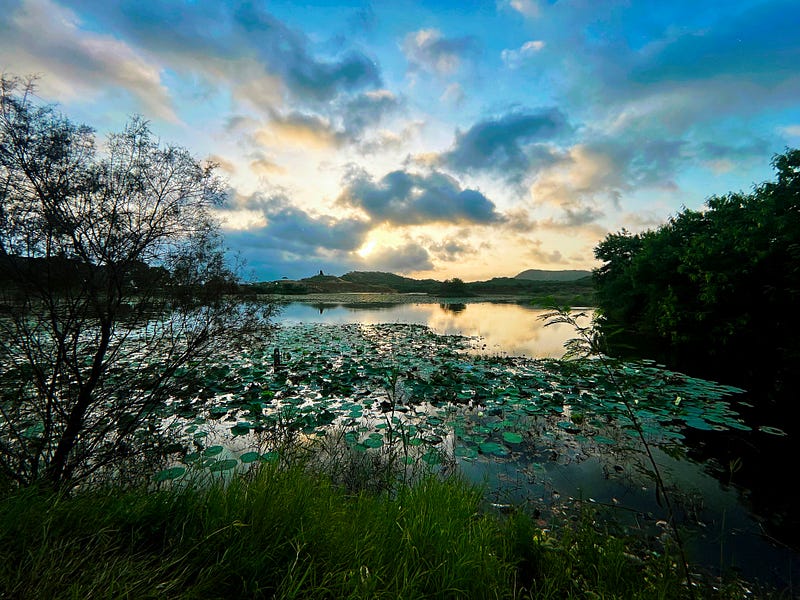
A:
x,y
366,299
290,532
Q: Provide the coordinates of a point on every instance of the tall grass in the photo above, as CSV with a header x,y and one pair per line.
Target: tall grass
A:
x,y
287,532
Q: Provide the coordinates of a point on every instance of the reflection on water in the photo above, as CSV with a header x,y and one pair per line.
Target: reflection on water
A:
x,y
503,328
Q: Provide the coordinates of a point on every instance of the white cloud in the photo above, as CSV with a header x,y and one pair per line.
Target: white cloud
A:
x,y
527,8
45,38
428,49
515,58
453,94
791,130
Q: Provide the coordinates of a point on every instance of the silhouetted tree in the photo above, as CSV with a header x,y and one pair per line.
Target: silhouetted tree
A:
x,y
453,288
113,276
717,288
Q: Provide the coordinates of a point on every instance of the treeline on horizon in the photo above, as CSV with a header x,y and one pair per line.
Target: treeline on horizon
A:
x,y
716,290
576,291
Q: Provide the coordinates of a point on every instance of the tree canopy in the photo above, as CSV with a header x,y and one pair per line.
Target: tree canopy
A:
x,y
716,288
113,276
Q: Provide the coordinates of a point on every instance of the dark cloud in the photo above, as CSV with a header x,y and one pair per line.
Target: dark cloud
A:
x,y
291,228
267,263
404,198
427,49
578,216
225,33
346,122
451,249
755,148
368,109
404,259
509,144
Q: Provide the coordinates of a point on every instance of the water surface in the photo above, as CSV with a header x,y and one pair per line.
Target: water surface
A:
x,y
512,329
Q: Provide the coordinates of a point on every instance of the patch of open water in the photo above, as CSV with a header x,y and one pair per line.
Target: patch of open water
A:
x,y
504,328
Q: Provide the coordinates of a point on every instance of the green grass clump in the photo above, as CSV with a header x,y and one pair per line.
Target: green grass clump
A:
x,y
289,533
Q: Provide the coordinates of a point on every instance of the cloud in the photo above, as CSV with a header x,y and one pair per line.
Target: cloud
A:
x,y
527,8
791,130
451,249
759,43
300,129
241,44
404,198
535,252
723,158
428,50
509,144
403,259
224,165
453,94
262,165
367,110
291,228
385,140
602,170
43,37
514,59
346,122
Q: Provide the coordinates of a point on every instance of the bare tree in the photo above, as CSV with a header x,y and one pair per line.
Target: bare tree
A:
x,y
112,278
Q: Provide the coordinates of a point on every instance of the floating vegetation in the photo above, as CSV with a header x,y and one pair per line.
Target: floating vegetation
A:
x,y
386,384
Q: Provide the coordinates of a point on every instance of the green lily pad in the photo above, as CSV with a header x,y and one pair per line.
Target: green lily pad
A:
x,y
512,437
223,465
494,449
169,474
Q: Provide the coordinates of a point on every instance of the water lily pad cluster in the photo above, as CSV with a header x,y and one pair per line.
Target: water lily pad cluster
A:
x,y
404,384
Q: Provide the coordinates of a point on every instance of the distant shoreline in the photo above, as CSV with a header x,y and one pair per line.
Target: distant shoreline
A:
x,y
354,298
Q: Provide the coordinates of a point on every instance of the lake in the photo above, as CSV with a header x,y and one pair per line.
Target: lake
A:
x,y
556,467
504,328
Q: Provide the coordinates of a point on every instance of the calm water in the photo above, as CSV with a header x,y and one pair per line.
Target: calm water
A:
x,y
722,531
503,328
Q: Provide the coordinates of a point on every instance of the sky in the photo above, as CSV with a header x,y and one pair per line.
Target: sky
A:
x,y
470,139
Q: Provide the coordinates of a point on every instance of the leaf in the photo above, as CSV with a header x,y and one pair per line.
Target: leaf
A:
x,y
772,430
223,465
512,437
169,474
212,450
249,457
493,448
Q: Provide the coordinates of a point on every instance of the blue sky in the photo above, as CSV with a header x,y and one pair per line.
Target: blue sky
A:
x,y
452,139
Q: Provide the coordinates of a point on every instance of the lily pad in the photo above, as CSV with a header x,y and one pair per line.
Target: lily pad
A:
x,y
169,474
223,465
212,450
772,430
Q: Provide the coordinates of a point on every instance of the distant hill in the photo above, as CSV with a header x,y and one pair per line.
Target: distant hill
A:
x,y
318,284
540,275
544,287
396,282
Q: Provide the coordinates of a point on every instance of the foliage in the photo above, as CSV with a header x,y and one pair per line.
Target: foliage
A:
x,y
404,386
717,287
113,277
287,532
453,288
